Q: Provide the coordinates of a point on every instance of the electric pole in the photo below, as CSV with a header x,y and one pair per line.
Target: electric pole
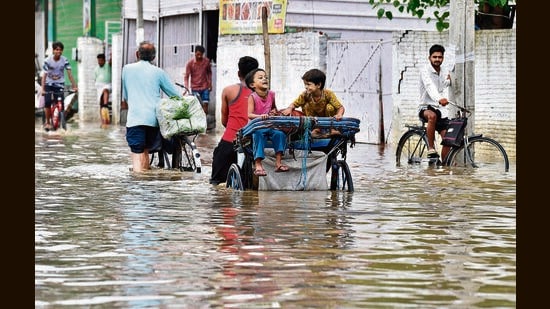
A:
x,y
462,41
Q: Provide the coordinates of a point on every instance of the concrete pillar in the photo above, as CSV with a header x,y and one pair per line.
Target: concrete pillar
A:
x,y
88,104
118,116
462,40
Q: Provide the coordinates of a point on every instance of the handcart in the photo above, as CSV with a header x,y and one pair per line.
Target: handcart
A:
x,y
305,155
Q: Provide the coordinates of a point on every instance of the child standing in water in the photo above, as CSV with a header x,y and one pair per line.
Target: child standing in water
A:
x,y
261,104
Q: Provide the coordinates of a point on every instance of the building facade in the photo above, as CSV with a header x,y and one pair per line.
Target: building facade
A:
x,y
362,55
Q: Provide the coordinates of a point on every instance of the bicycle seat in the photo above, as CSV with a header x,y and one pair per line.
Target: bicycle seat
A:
x,y
421,126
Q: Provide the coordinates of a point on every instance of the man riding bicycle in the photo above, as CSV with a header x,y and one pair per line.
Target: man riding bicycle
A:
x,y
53,80
433,99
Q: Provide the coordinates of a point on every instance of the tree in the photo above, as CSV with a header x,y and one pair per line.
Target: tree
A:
x,y
419,7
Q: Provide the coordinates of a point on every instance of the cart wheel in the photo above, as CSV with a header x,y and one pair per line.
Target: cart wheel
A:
x,y
234,180
340,178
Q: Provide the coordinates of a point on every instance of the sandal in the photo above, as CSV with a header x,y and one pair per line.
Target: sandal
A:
x,y
281,169
260,173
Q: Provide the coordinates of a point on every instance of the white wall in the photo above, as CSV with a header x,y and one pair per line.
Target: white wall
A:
x,y
291,56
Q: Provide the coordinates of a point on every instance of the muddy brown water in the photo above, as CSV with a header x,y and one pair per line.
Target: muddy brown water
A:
x,y
406,237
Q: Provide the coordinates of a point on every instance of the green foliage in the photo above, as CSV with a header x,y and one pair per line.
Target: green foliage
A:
x,y
182,110
418,8
493,3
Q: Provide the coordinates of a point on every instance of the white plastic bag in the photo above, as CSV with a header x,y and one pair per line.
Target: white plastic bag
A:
x,y
180,115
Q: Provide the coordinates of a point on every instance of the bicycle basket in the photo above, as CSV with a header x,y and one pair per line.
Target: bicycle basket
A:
x,y
455,132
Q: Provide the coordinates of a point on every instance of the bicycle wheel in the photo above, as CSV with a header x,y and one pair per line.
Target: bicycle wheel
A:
x,y
187,156
234,180
340,178
159,159
412,148
62,120
482,152
55,119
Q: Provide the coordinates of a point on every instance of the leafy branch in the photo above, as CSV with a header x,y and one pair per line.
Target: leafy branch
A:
x,y
419,7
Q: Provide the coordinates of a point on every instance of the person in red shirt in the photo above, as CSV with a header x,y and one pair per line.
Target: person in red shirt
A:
x,y
198,76
234,112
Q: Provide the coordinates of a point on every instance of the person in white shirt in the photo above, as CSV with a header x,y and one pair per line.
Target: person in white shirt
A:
x,y
433,99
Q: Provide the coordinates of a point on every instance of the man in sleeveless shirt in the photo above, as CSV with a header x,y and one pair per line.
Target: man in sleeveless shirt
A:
x,y
234,112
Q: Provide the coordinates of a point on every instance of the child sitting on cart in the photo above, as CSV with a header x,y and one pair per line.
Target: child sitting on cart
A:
x,y
261,104
316,101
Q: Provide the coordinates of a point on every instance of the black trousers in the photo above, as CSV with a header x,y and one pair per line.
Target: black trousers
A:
x,y
224,155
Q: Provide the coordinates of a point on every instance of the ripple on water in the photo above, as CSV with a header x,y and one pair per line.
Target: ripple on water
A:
x,y
406,237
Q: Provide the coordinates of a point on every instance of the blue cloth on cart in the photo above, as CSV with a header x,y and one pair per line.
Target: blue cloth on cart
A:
x,y
297,127
347,125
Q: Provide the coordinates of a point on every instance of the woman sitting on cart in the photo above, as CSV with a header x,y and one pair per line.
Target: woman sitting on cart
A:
x,y
261,104
316,101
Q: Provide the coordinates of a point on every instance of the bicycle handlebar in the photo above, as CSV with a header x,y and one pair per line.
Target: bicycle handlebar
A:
x,y
69,91
462,109
183,86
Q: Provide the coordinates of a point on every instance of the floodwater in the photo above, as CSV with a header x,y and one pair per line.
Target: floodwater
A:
x,y
405,238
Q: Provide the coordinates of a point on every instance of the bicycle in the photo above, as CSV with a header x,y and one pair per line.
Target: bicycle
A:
x,y
58,114
185,155
475,150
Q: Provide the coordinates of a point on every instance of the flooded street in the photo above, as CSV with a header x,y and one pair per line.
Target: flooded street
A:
x,y
405,238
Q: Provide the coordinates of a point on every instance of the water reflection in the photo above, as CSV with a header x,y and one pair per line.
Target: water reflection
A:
x,y
417,237
260,229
